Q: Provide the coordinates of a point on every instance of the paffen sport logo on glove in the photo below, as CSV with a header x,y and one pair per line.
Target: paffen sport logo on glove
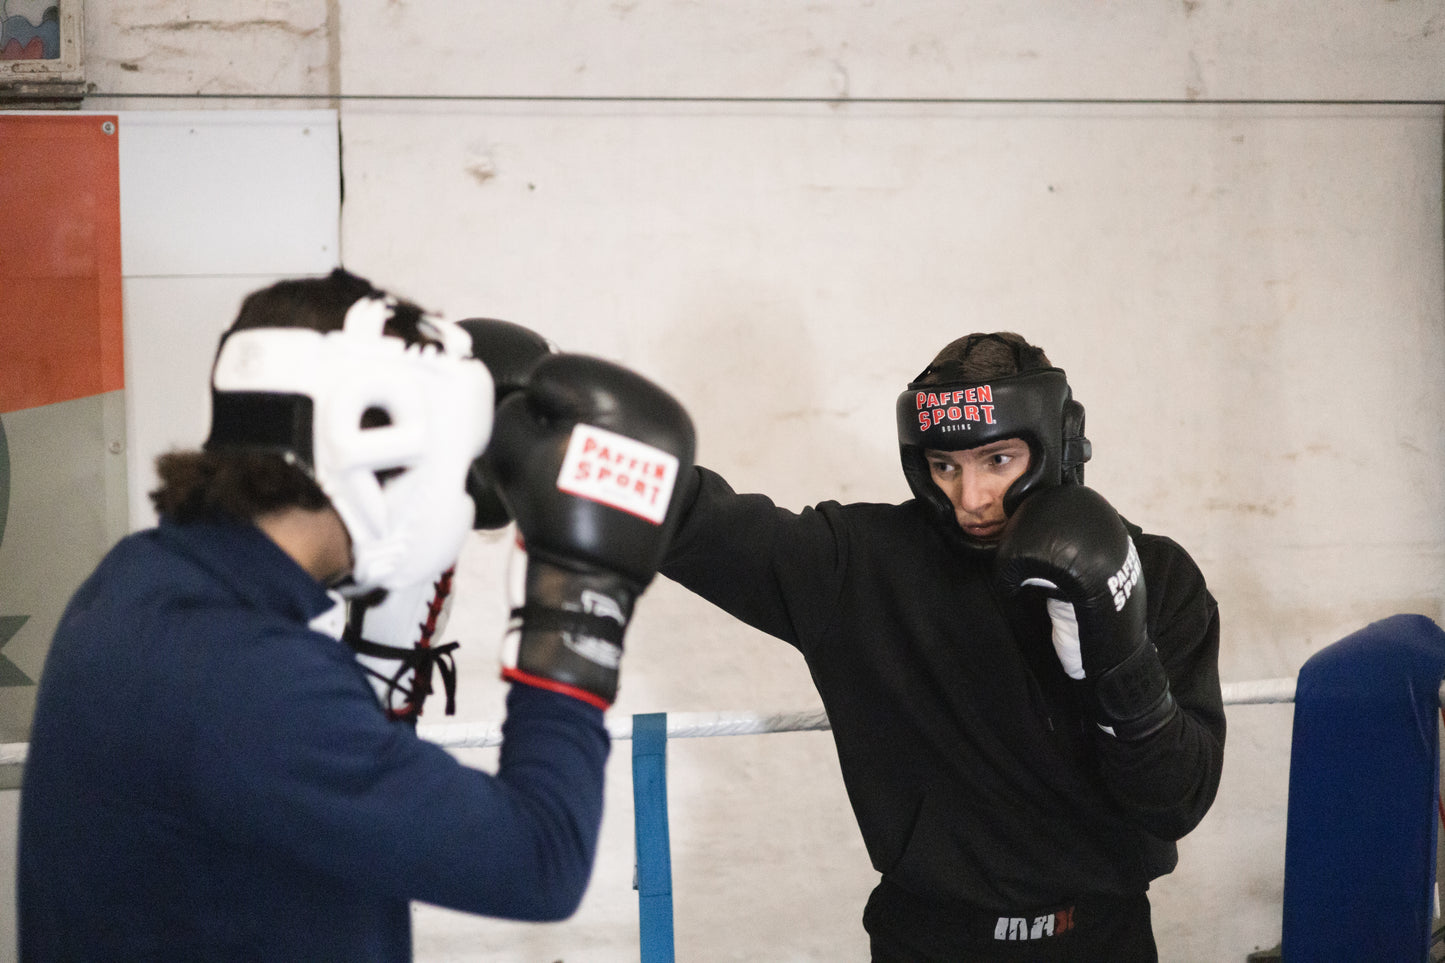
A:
x,y
624,473
1122,582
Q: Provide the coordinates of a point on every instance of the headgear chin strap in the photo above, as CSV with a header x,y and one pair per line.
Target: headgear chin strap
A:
x,y
398,486
1036,406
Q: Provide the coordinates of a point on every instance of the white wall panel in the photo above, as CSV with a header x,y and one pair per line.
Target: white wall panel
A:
x,y
228,192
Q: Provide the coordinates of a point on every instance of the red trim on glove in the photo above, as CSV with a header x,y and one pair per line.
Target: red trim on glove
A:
x,y
552,685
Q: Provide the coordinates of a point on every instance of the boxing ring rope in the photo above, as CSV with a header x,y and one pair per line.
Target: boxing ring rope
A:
x,y
700,725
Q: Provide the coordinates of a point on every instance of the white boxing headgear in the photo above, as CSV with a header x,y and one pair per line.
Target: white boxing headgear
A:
x,y
398,486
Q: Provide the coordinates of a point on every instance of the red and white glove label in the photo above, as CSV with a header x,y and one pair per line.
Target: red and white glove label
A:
x,y
621,472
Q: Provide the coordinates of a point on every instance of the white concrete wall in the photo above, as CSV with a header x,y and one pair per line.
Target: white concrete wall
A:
x,y
1249,299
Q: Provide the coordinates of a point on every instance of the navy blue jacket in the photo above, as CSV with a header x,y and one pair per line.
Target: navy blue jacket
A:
x,y
209,779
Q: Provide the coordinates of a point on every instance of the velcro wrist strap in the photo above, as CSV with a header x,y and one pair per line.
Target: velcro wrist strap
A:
x,y
1133,697
537,618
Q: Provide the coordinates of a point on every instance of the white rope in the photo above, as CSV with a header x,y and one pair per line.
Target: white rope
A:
x,y
698,725
680,725
1260,691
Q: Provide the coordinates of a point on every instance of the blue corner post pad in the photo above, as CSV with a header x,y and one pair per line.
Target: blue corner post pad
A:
x,y
1363,796
654,856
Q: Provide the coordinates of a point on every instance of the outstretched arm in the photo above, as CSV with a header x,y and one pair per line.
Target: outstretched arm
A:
x,y
774,569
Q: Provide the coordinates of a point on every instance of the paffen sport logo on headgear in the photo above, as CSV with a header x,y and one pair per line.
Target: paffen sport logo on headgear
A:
x,y
398,485
958,409
957,415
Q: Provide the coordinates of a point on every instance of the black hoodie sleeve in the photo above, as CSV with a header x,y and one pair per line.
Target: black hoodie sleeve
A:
x,y
1167,781
776,570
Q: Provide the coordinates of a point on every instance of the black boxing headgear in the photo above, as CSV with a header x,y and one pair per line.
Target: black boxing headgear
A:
x,y
1036,406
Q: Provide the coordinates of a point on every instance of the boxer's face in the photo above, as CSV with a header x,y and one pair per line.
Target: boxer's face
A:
x,y
974,481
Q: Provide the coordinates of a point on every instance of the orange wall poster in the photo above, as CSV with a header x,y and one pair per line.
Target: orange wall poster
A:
x,y
60,291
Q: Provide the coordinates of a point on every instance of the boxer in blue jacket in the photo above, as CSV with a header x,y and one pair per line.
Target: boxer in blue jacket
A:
x,y
209,778
1023,688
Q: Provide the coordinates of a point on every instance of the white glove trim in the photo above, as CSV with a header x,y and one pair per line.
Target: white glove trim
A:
x,y
1066,630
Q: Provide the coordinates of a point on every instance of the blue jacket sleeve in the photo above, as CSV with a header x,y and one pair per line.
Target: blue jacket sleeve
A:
x,y
290,752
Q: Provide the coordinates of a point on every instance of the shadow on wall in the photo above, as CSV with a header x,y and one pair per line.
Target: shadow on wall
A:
x,y
771,416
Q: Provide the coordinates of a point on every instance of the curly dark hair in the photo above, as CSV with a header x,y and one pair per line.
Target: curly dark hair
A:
x,y
197,485
242,485
981,356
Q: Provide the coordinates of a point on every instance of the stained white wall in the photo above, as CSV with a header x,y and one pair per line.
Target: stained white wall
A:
x,y
1249,298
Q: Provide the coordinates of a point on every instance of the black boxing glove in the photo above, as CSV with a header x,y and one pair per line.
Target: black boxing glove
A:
x,y
587,457
1068,542
509,351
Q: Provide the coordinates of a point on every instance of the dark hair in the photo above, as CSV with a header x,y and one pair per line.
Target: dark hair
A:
x,y
321,305
983,356
241,485
197,485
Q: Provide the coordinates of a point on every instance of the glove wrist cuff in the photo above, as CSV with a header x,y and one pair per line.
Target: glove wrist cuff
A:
x,y
1133,697
554,685
572,652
